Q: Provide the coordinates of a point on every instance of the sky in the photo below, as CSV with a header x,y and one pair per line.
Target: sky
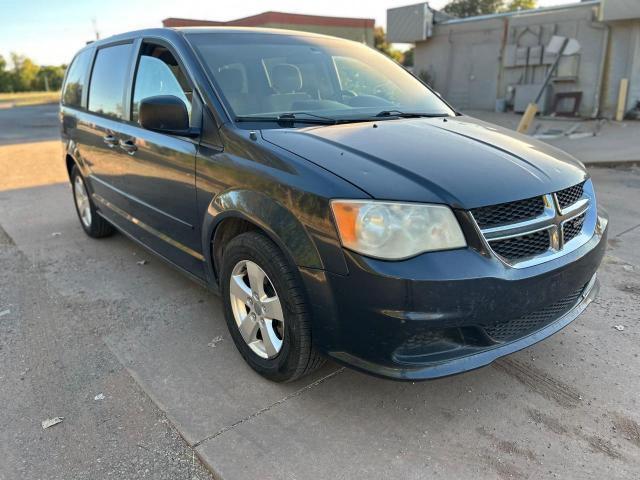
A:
x,y
51,31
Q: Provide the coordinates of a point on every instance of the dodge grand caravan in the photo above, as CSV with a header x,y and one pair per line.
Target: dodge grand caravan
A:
x,y
339,206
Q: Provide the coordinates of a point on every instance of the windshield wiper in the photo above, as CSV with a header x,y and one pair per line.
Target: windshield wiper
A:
x,y
297,117
401,114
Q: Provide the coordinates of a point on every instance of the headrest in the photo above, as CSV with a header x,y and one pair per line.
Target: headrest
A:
x,y
286,78
231,80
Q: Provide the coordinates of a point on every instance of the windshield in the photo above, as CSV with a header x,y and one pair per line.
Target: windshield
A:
x,y
267,75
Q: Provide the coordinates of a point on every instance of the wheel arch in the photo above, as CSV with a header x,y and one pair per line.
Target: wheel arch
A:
x,y
72,157
237,211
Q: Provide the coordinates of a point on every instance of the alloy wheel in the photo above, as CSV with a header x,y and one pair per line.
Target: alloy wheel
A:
x,y
257,309
82,201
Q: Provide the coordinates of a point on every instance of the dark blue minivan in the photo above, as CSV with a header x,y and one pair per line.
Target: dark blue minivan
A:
x,y
339,206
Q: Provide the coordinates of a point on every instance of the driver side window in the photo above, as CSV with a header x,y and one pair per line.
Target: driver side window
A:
x,y
159,74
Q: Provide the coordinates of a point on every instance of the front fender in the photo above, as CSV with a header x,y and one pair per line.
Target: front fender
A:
x,y
274,219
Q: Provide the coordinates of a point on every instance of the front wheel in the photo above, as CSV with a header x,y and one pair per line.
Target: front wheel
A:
x,y
93,224
266,310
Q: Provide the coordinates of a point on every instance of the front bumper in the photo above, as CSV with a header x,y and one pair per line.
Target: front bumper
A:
x,y
428,317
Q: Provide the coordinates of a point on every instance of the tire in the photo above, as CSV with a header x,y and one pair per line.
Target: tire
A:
x,y
296,356
93,224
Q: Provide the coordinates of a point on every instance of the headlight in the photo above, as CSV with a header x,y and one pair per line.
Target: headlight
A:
x,y
393,231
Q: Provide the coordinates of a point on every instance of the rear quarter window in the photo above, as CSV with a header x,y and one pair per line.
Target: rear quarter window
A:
x,y
76,80
109,80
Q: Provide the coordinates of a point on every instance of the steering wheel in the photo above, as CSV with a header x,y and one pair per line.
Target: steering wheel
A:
x,y
381,89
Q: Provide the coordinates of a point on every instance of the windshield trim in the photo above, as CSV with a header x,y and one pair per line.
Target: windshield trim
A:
x,y
326,120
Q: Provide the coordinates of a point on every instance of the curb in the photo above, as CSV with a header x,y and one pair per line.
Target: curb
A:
x,y
613,163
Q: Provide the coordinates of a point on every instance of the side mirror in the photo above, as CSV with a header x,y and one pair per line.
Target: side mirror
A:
x,y
166,114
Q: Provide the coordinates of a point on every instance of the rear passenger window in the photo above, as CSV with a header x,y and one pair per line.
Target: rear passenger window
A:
x,y
76,79
109,80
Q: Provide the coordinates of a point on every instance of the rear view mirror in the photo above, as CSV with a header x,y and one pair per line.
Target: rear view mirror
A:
x,y
166,114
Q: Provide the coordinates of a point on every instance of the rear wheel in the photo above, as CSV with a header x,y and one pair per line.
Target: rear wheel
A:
x,y
93,224
266,310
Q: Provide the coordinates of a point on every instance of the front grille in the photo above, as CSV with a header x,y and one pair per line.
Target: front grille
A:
x,y
514,329
573,227
535,230
504,213
570,195
517,248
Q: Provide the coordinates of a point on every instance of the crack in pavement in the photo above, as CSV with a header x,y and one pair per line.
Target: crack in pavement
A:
x,y
5,238
627,230
269,407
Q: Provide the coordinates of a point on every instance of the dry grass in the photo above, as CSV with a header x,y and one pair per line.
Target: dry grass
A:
x,y
8,100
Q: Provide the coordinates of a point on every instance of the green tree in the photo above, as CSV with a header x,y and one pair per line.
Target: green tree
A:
x,y
5,84
28,76
515,5
24,73
381,44
49,78
471,8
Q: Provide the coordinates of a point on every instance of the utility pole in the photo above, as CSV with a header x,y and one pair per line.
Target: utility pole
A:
x,y
95,28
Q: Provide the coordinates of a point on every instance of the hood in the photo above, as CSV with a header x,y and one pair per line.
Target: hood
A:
x,y
459,161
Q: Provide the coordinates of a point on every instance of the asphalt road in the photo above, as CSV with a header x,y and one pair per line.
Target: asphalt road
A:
x,y
80,318
29,124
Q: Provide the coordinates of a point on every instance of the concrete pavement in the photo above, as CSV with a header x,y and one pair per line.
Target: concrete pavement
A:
x,y
85,318
613,143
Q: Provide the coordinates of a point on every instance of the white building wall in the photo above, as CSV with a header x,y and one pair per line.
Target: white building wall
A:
x,y
634,75
463,62
464,59
624,62
575,74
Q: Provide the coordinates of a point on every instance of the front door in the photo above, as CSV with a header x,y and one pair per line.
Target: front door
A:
x,y
160,177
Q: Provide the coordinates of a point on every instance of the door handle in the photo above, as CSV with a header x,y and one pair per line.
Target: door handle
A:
x,y
110,140
128,146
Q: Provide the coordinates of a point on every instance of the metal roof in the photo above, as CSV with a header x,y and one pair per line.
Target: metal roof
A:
x,y
271,17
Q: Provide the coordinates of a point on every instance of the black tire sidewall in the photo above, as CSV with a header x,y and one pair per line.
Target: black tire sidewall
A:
x,y
248,247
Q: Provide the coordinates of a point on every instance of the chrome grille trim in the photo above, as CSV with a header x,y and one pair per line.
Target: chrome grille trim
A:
x,y
553,218
532,225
